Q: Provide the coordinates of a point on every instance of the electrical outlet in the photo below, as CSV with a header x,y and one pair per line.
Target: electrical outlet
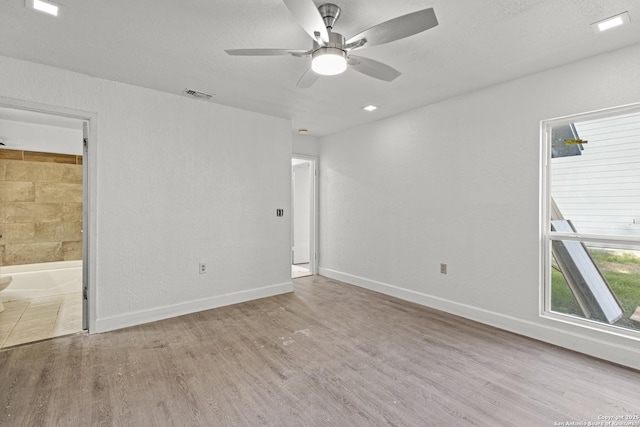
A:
x,y
443,268
202,268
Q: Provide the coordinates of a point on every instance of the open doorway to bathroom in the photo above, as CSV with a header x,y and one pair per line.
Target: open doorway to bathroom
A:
x,y
41,225
303,217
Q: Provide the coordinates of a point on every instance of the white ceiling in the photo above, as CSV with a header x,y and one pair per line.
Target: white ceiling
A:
x,y
171,45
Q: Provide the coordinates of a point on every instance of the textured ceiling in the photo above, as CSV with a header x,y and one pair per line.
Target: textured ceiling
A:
x,y
171,45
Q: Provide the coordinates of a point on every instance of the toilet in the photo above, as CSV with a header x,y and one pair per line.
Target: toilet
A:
x,y
4,282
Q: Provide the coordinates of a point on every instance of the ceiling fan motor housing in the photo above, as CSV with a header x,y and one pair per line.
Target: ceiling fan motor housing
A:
x,y
336,40
335,45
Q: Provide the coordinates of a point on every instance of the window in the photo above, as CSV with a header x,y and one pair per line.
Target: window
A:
x,y
591,219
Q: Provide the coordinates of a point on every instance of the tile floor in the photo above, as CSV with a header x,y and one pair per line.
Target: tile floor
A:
x,y
300,270
24,321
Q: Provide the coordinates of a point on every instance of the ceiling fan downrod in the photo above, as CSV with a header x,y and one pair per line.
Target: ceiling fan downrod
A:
x,y
329,13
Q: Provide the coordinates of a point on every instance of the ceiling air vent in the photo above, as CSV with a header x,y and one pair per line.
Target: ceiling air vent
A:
x,y
195,94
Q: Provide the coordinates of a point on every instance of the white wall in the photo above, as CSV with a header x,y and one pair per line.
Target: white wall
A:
x,y
179,181
305,144
39,137
458,182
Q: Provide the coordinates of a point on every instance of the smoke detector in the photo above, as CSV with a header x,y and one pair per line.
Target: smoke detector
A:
x,y
197,94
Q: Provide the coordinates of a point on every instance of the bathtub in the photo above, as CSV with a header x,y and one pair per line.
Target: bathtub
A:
x,y
42,280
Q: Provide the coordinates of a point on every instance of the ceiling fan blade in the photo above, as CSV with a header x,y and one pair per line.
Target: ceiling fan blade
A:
x,y
265,52
373,68
306,12
307,79
398,28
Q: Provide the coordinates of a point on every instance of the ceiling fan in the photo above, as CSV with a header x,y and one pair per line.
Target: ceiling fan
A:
x,y
331,51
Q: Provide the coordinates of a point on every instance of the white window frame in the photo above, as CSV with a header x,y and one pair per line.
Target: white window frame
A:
x,y
547,236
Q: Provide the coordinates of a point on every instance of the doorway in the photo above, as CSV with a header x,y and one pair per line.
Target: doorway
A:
x,y
303,217
45,224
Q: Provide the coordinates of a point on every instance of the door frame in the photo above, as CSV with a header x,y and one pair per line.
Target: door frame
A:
x,y
313,220
89,199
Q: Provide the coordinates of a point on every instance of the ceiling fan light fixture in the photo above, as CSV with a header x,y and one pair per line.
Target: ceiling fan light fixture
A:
x,y
329,61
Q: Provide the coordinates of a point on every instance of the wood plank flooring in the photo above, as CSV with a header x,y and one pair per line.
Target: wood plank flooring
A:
x,y
329,354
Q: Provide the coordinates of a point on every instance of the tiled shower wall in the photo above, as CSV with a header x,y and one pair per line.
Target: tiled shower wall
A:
x,y
40,207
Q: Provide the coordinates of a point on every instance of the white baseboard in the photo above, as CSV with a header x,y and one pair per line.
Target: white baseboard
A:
x,y
600,348
188,307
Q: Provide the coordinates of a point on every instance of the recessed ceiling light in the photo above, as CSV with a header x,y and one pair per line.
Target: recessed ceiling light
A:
x,y
303,131
612,22
370,108
45,6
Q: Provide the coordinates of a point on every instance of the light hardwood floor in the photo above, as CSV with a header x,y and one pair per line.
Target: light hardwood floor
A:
x,y
327,354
